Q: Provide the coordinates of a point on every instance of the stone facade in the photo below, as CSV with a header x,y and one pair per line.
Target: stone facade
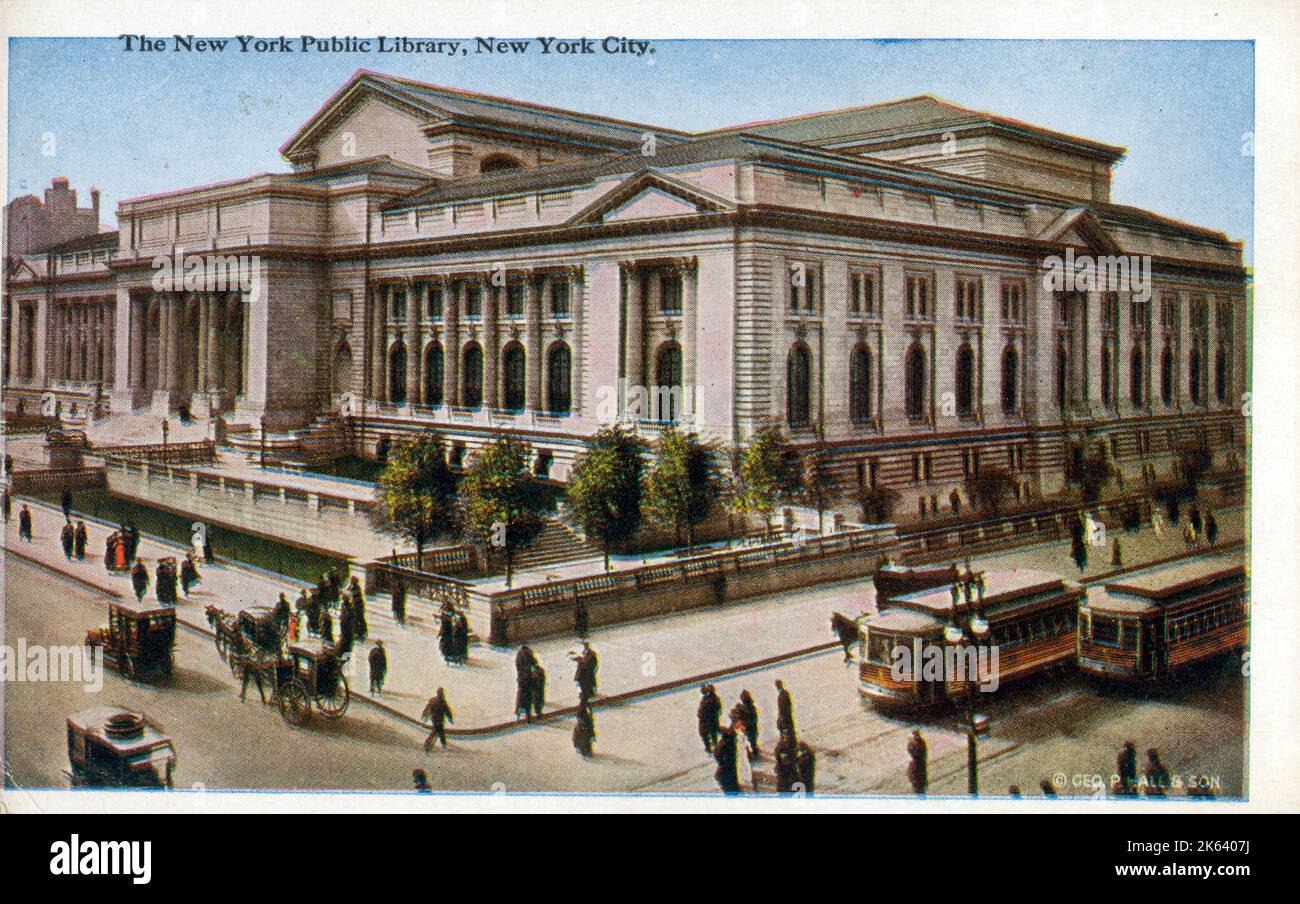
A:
x,y
873,280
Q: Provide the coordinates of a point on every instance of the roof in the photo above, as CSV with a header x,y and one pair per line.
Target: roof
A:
x,y
141,608
471,107
1166,582
1003,590
92,722
905,621
99,241
892,119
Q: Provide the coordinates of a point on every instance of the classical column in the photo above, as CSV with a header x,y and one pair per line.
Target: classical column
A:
x,y
203,378
533,292
378,318
413,307
690,272
139,342
108,372
634,329
217,313
15,316
453,302
491,346
577,301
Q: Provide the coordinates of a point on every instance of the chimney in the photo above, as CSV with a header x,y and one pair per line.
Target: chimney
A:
x,y
94,203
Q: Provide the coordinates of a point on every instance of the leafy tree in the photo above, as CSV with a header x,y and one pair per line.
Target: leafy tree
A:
x,y
500,501
417,493
815,482
878,504
680,489
764,476
604,494
990,489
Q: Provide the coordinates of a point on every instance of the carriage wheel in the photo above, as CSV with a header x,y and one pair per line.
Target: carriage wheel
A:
x,y
295,705
333,707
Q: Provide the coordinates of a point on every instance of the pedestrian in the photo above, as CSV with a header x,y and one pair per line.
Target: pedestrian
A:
x,y
1116,554
1126,767
786,754
1194,517
1157,523
8,503
67,505
707,715
584,674
315,610
110,550
80,540
525,665
748,712
357,598
139,580
539,691
208,557
1189,536
283,613
378,669
190,577
25,524
1211,528
347,637
132,534
744,758
67,537
584,730
460,637
399,603
437,713
421,781
918,772
581,620
784,709
1157,775
327,627
1014,792
446,627
164,584
1048,789
806,766
724,754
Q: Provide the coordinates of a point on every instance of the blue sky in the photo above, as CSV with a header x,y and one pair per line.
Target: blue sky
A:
x,y
136,123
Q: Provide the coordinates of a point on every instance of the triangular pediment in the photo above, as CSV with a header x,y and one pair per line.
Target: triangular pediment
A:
x,y
24,271
650,195
1079,227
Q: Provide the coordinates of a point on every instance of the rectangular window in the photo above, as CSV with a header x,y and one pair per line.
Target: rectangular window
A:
x,y
398,309
919,295
855,293
916,469
803,287
863,293
515,300
560,298
968,300
434,311
474,300
1013,302
670,293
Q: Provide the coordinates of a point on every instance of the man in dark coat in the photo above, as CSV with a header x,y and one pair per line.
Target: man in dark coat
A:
x,y
1157,775
357,599
1195,517
539,691
25,524
525,666
585,673
1211,528
190,577
918,770
446,628
132,534
724,755
1126,767
8,504
283,613
80,539
437,713
584,729
139,580
460,637
399,603
68,537
786,754
806,767
784,709
67,505
378,669
707,715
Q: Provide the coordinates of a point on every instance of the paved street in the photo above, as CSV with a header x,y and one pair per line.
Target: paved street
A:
x,y
1040,728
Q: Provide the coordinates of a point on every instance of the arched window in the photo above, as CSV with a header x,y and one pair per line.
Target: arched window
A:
x,y
860,385
471,369
666,404
1010,381
513,377
342,368
965,381
798,376
433,374
1194,374
1062,365
559,370
1167,377
1220,374
1136,379
1107,377
397,374
914,390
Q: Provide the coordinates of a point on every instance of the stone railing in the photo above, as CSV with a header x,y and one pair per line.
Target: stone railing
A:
x,y
201,452
50,479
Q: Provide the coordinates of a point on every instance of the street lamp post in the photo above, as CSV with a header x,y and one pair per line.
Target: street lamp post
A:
x,y
970,621
262,443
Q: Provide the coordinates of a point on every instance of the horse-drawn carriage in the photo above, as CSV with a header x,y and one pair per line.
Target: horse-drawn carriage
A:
x,y
295,676
114,747
138,639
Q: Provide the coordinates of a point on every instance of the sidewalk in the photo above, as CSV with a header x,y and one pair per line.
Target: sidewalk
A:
x,y
635,658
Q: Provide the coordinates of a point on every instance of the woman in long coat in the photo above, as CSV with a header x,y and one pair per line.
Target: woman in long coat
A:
x,y
584,731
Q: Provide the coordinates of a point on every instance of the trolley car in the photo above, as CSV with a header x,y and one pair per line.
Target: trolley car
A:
x,y
1031,617
1164,619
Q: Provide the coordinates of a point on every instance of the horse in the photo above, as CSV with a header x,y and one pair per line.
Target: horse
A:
x,y
847,630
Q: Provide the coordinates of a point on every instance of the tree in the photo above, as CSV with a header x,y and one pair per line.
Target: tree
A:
x,y
815,481
990,489
500,502
764,476
680,489
604,494
878,504
417,493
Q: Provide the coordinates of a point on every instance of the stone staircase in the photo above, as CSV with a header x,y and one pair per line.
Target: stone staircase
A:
x,y
556,545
